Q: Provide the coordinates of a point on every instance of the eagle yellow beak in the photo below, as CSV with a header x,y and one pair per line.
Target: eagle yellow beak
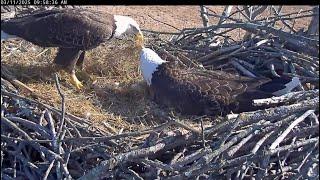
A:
x,y
139,40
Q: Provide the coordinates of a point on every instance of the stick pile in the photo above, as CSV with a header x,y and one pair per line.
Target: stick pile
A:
x,y
39,141
43,142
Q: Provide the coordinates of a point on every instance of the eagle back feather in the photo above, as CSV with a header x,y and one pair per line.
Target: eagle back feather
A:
x,y
66,28
198,91
195,91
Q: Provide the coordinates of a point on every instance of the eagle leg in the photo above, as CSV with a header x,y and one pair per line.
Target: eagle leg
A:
x,y
81,60
67,58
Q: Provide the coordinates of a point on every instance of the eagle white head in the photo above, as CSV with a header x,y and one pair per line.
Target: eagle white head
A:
x,y
127,26
149,62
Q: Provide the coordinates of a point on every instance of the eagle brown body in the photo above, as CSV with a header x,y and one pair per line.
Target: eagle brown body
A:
x,y
196,91
71,30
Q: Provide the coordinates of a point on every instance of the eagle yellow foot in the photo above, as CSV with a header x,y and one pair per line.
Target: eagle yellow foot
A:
x,y
76,82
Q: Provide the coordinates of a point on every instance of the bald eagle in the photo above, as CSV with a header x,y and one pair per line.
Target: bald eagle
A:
x,y
202,92
73,31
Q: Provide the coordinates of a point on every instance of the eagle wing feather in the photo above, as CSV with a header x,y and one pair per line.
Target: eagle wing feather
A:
x,y
207,92
67,28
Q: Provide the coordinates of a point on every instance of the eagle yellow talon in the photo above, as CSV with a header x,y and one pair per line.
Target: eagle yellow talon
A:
x,y
76,82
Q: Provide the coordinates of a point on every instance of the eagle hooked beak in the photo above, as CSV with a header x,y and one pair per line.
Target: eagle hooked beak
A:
x,y
139,40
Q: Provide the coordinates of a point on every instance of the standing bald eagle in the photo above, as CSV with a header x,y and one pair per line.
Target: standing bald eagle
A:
x,y
203,92
73,31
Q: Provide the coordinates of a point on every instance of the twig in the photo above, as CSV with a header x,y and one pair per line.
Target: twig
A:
x,y
48,170
291,126
42,52
55,140
164,23
209,157
8,75
159,32
202,134
158,164
225,14
179,123
235,148
191,158
63,105
292,96
204,15
314,24
118,136
293,146
249,157
135,175
260,142
96,172
218,52
242,69
274,113
31,125
307,156
53,109
282,20
13,126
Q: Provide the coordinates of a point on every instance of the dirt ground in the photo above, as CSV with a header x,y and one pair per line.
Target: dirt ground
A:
x,y
157,17
114,100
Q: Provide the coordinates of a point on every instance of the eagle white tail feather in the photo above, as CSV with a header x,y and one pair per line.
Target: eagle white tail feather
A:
x,y
295,82
5,36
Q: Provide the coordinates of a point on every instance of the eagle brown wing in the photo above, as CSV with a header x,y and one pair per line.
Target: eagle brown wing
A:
x,y
66,28
233,92
195,91
220,82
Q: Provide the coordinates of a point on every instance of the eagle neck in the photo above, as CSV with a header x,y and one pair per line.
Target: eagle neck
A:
x,y
149,63
114,27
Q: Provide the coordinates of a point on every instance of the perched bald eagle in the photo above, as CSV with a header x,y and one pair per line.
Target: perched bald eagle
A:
x,y
203,92
73,31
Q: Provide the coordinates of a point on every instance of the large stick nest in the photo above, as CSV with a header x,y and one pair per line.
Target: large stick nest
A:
x,y
44,140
